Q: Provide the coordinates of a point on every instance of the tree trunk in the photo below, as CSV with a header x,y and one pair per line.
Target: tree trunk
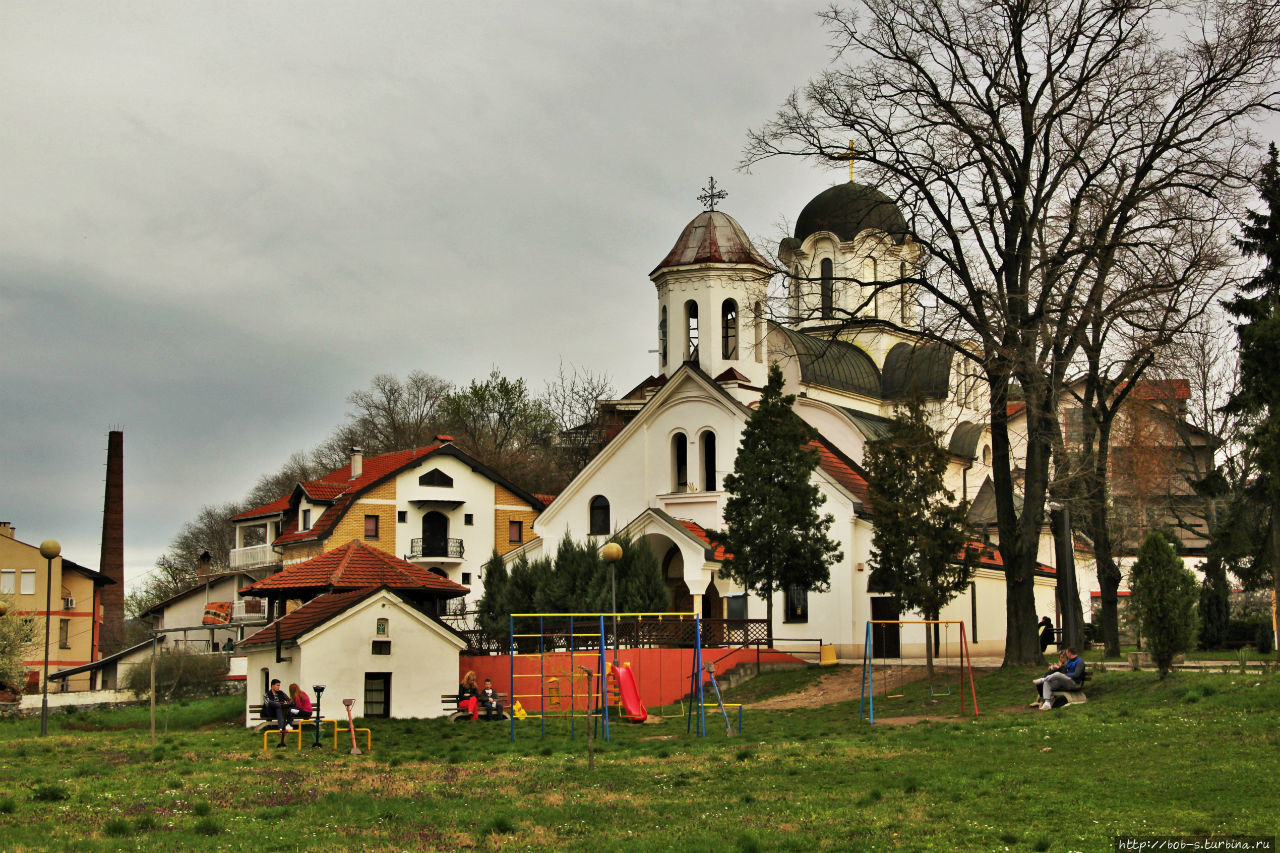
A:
x,y
928,644
768,615
1109,584
1071,620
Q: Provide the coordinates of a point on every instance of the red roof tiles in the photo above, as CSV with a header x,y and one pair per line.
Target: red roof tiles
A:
x,y
315,612
356,566
696,530
841,468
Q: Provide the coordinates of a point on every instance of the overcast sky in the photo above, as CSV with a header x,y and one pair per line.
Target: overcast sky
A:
x,y
222,218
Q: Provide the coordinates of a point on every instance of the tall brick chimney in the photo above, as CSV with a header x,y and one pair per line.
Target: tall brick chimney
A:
x,y
111,561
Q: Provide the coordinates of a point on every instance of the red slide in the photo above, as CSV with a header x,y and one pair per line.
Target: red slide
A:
x,y
633,709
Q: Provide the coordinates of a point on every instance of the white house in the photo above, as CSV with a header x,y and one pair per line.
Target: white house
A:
x,y
847,350
370,645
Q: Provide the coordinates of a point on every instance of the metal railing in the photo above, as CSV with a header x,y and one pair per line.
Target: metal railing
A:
x,y
254,555
420,548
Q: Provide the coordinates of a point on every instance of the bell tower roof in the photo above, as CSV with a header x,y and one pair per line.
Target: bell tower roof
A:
x,y
713,237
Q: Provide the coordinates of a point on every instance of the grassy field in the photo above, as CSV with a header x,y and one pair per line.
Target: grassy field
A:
x,y
1194,754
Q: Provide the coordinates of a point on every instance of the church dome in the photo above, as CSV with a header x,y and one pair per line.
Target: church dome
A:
x,y
713,237
846,210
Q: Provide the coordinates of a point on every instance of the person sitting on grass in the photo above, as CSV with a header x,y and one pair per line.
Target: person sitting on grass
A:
x,y
468,695
489,700
276,702
300,703
1069,675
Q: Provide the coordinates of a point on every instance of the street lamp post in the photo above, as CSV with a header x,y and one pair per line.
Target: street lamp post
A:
x,y
49,549
612,553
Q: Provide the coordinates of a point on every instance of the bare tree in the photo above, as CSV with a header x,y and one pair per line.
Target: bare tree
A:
x,y
572,399
1030,142
389,415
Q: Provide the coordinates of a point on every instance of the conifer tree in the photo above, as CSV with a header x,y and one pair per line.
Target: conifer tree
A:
x,y
1163,594
773,528
1257,306
919,529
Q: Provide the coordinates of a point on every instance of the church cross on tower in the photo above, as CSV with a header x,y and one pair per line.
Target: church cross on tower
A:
x,y
710,195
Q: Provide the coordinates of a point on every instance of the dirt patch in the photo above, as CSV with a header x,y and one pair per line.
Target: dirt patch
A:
x,y
841,684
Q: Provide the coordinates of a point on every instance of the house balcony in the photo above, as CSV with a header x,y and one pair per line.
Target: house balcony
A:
x,y
437,550
249,610
253,557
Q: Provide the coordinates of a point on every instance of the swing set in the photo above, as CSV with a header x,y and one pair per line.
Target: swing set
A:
x,y
575,679
886,632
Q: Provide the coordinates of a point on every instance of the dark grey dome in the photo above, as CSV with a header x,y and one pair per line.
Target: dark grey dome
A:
x,y
849,209
922,370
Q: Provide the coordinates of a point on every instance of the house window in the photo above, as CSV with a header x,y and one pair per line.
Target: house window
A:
x,y
797,604
691,331
401,516
515,531
735,607
305,523
707,446
7,578
370,527
828,289
903,293
381,647
662,336
468,519
28,582
435,477
64,633
382,627
466,578
599,516
679,463
729,329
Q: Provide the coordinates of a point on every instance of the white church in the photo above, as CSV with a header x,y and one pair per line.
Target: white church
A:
x,y
847,351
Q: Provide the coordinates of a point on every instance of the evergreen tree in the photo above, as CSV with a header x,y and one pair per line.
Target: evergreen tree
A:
x,y
1257,306
1215,604
1163,596
777,538
491,616
919,529
640,585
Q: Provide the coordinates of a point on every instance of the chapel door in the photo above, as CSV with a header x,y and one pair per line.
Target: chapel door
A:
x,y
886,640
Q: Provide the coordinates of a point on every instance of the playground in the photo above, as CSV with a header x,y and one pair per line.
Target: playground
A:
x,y
1199,757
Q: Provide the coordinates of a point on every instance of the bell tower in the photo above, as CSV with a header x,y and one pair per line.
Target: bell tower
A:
x,y
712,288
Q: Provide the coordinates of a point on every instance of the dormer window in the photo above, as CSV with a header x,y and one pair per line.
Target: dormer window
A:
x,y
436,477
304,523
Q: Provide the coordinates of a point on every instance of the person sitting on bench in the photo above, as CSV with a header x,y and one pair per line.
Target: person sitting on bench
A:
x,y
299,702
1069,676
276,703
489,701
468,695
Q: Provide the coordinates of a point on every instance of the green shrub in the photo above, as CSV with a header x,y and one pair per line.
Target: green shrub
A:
x,y
201,809
51,792
117,827
1163,597
145,823
8,805
207,826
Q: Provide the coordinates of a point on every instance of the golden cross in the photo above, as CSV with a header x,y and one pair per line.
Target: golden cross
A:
x,y
851,156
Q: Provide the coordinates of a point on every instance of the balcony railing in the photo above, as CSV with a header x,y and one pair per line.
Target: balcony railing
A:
x,y
253,556
249,610
427,548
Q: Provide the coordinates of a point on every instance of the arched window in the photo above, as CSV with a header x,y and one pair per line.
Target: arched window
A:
x,y
903,293
986,454
828,289
599,521
759,324
679,463
869,278
707,448
662,336
691,331
729,329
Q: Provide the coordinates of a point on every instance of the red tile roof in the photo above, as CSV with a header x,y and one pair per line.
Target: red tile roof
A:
x,y
842,469
276,507
546,499
696,530
338,486
315,612
356,566
989,556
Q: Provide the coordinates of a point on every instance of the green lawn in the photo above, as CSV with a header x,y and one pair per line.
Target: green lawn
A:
x,y
1195,754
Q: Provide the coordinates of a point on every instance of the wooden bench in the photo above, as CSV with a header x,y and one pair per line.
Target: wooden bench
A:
x,y
450,703
270,727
